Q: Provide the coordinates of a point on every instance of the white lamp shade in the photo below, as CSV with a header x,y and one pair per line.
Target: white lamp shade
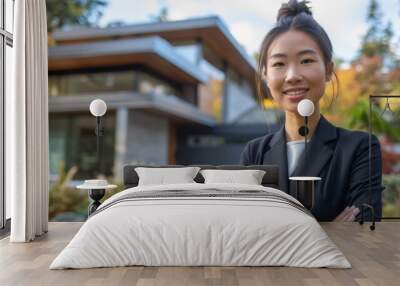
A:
x,y
98,107
305,107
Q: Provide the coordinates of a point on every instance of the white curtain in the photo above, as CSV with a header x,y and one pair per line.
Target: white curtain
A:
x,y
27,124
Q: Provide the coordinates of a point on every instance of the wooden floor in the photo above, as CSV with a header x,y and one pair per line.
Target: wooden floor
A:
x,y
375,256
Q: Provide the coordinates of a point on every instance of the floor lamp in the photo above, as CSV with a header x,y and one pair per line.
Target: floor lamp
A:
x,y
98,108
305,185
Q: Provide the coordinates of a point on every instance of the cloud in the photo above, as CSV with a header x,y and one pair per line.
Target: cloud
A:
x,y
129,11
250,35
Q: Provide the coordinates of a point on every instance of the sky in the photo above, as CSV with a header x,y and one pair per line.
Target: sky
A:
x,y
250,20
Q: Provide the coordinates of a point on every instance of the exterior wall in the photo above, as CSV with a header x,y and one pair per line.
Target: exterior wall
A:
x,y
219,145
239,97
121,134
58,132
142,139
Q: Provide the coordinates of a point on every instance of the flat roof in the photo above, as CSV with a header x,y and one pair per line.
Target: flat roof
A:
x,y
209,30
153,52
167,106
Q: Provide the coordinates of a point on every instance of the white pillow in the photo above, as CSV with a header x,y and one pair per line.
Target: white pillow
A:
x,y
248,177
163,176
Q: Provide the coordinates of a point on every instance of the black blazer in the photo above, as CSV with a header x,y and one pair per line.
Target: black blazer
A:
x,y
338,156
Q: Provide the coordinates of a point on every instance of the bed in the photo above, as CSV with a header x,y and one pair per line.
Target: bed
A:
x,y
201,224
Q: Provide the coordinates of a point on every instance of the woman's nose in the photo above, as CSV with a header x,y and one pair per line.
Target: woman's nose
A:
x,y
293,75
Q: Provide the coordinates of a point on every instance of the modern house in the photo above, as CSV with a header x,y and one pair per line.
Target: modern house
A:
x,y
171,88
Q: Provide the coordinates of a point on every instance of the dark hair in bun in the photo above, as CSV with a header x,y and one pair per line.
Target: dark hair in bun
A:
x,y
292,9
297,16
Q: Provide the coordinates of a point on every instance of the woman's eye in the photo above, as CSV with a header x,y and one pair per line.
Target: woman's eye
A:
x,y
277,64
307,61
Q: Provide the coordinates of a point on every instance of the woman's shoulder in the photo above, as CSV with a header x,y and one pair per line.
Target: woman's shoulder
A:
x,y
254,149
357,141
355,135
259,142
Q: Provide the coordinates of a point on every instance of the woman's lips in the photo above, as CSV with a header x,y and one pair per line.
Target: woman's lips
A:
x,y
296,94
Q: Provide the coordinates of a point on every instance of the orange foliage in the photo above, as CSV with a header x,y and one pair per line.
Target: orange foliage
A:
x,y
336,100
210,98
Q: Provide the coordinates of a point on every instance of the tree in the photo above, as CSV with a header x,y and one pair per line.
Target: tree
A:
x,y
374,71
163,15
376,42
63,13
376,59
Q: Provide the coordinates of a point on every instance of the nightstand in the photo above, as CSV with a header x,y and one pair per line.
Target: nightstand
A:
x,y
96,190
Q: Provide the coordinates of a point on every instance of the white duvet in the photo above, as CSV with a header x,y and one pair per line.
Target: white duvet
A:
x,y
200,231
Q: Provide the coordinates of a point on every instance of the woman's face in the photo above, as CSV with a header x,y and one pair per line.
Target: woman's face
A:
x,y
295,70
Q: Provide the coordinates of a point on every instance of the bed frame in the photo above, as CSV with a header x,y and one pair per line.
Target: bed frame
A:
x,y
270,179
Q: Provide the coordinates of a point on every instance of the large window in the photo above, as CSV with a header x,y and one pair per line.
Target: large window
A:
x,y
93,82
6,43
73,158
151,84
73,145
211,93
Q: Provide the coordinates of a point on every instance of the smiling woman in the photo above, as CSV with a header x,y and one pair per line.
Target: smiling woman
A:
x,y
296,63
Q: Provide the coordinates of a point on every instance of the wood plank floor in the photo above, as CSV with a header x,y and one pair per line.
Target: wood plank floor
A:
x,y
374,255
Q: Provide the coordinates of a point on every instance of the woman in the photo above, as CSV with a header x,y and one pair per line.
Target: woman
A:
x,y
296,63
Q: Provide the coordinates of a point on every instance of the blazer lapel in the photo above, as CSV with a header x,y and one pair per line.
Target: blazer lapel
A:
x,y
276,155
318,150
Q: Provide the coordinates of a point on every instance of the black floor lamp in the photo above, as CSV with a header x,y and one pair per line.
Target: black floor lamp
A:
x,y
98,108
305,185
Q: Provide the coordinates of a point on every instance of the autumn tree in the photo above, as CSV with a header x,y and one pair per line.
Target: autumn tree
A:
x,y
376,59
63,13
375,70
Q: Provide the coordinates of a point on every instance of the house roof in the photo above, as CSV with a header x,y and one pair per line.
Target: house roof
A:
x,y
209,30
153,52
163,105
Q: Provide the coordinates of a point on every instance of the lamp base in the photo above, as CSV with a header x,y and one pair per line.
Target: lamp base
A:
x,y
363,206
96,195
305,190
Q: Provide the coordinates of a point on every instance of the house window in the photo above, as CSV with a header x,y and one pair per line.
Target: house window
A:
x,y
91,82
94,82
6,43
72,143
148,83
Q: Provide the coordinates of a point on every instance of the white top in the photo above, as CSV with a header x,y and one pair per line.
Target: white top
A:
x,y
305,178
294,150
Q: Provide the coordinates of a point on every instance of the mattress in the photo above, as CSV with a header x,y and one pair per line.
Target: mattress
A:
x,y
201,225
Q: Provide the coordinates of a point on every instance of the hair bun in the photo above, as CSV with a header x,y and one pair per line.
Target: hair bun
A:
x,y
293,8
